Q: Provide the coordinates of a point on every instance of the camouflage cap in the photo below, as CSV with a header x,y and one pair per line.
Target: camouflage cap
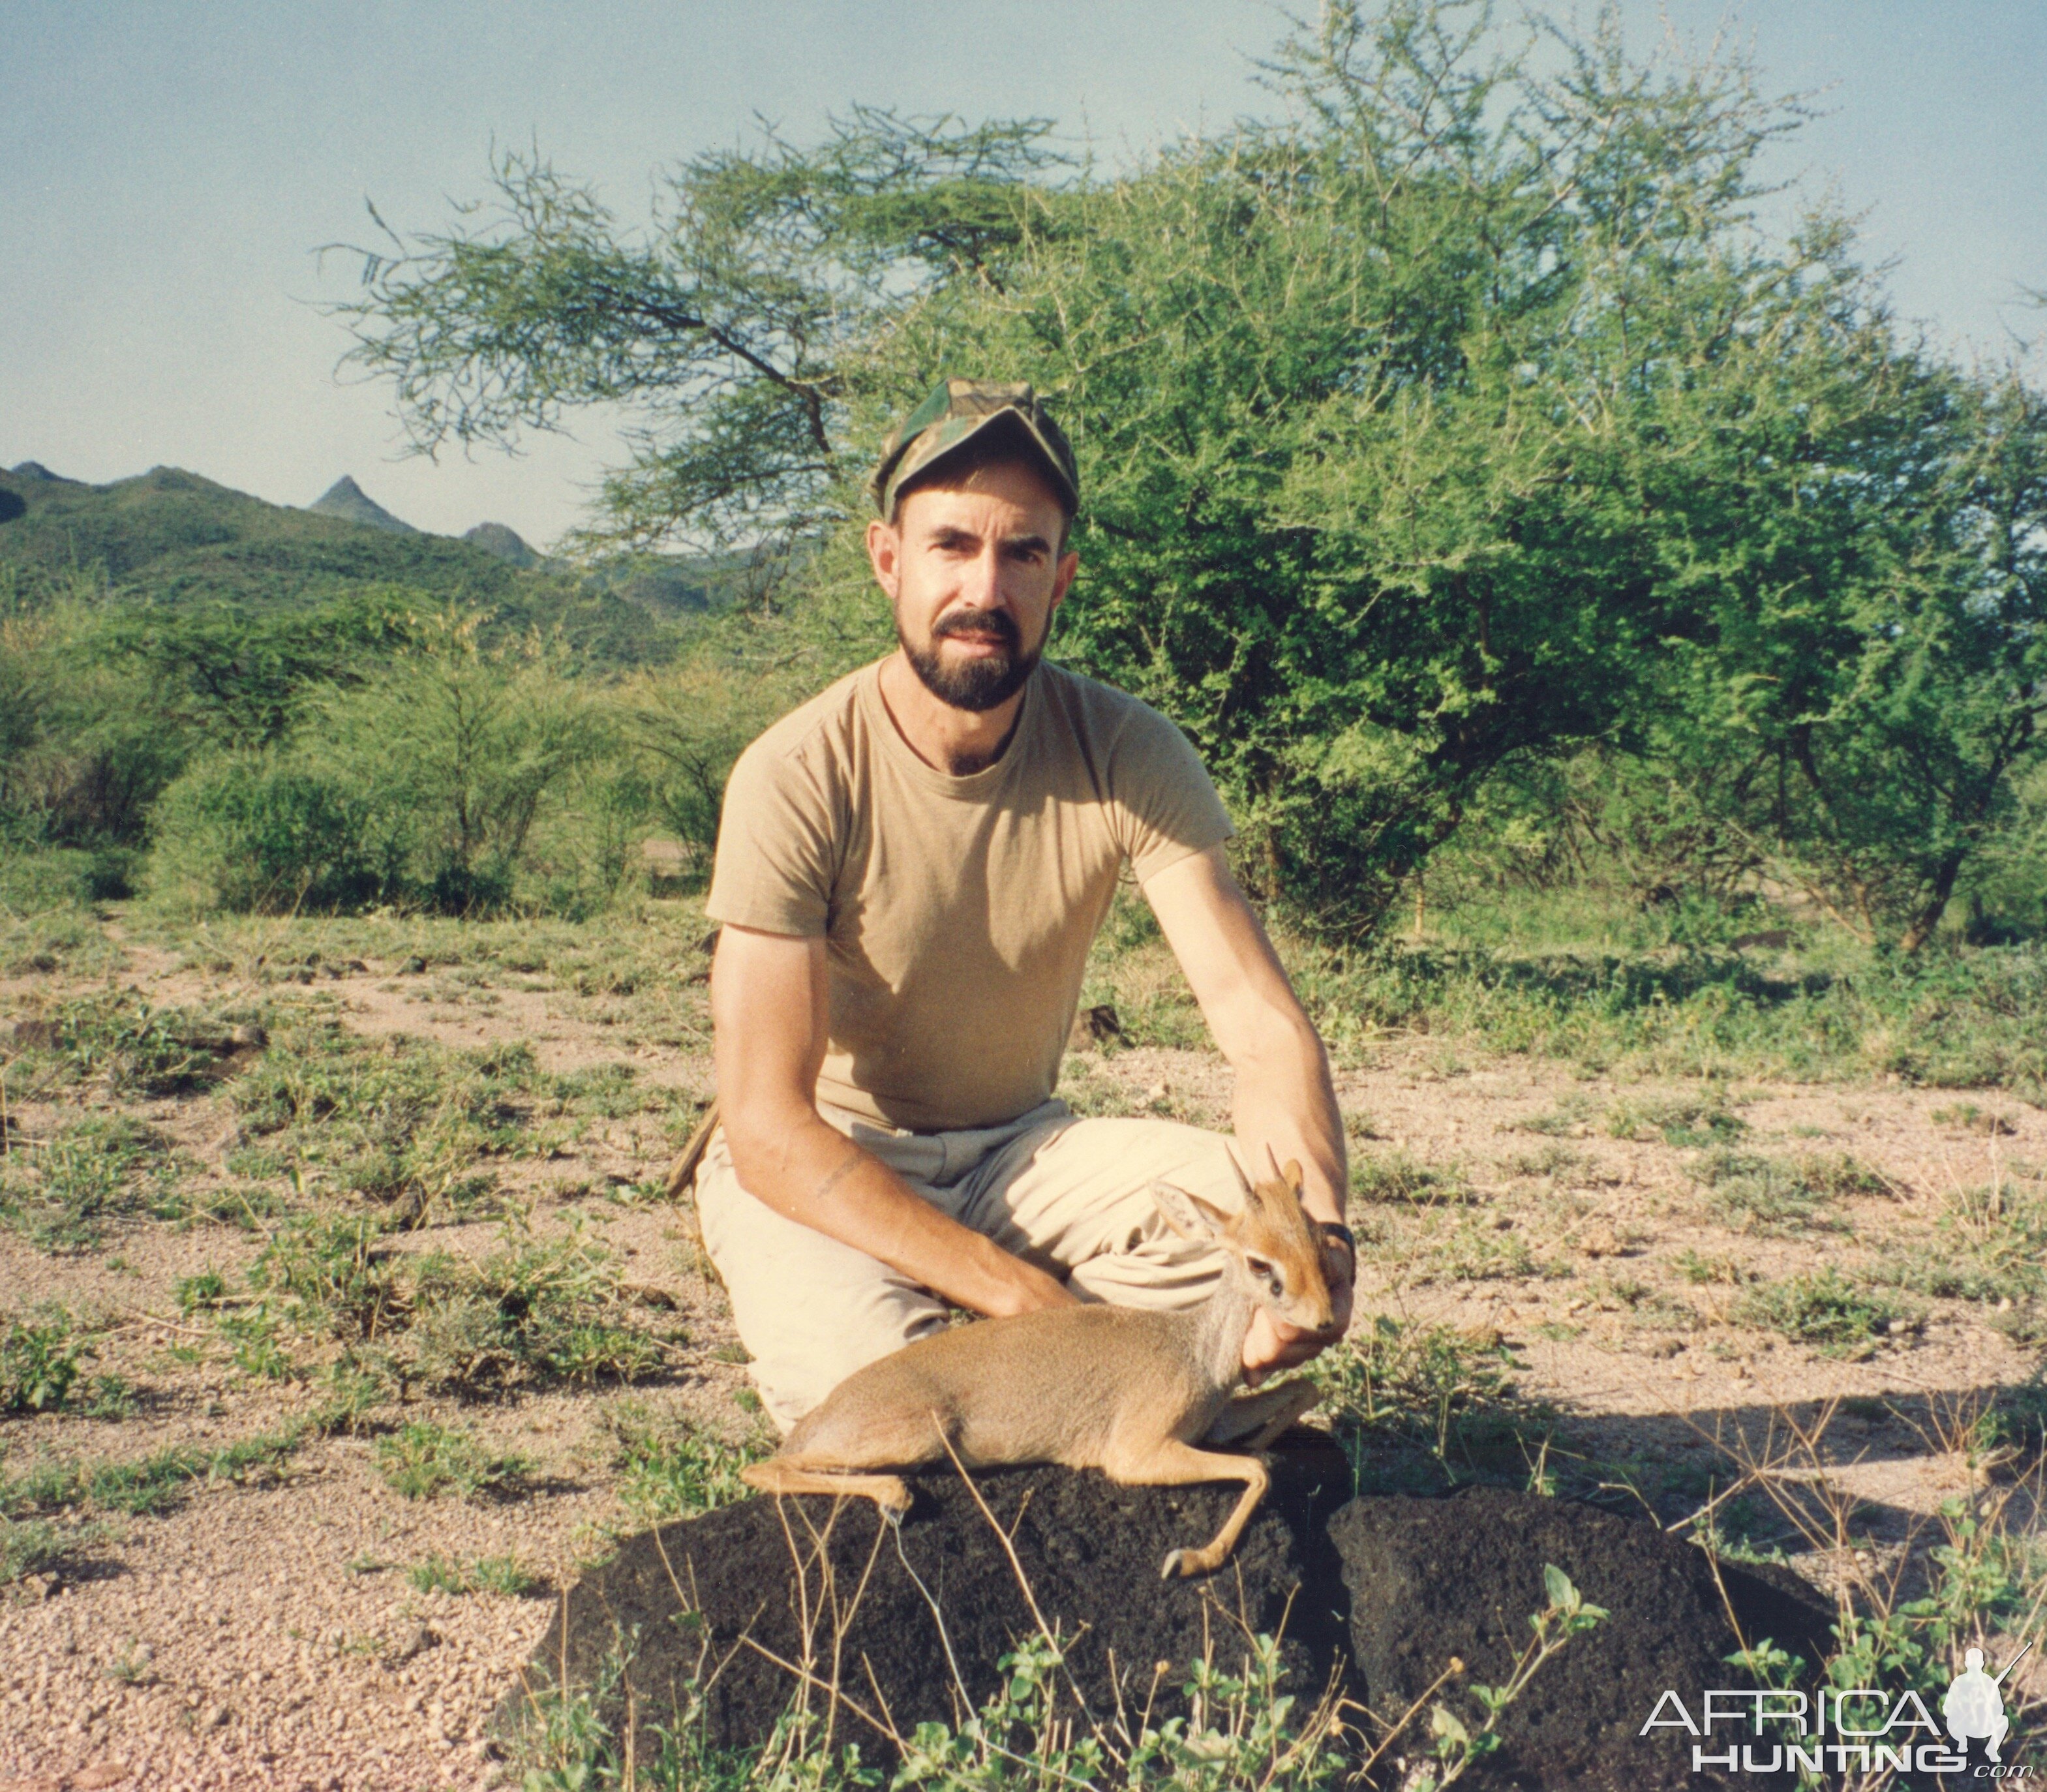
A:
x,y
952,415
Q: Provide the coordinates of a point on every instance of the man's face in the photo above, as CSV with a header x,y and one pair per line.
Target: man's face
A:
x,y
975,573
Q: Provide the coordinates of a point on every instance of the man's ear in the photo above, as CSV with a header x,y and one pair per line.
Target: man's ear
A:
x,y
1063,577
1194,1219
884,555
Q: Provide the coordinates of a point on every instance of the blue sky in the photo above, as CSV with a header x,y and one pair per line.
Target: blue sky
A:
x,y
168,169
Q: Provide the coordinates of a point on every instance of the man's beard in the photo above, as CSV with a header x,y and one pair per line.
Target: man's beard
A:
x,y
983,683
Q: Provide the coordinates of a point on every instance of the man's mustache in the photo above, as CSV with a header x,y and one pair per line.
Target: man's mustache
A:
x,y
980,624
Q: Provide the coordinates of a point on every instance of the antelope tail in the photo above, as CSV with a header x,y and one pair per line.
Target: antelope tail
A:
x,y
684,1171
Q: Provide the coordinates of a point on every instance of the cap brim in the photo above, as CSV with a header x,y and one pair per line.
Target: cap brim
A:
x,y
919,455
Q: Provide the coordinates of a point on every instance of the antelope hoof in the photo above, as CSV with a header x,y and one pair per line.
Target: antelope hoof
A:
x,y
1182,1564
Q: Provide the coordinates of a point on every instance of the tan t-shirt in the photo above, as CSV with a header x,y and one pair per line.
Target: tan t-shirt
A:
x,y
958,912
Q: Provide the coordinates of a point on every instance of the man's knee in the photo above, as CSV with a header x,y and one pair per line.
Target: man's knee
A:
x,y
810,1310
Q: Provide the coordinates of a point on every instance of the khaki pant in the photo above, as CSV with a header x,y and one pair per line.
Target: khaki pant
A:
x,y
1068,1193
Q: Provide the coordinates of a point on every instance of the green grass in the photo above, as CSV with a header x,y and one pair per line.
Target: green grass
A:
x,y
42,1359
150,1485
1429,1387
1685,1123
499,1574
671,1468
1764,1195
422,1461
409,1125
534,1310
1398,1176
1949,1017
120,1044
1823,1309
1990,1246
63,1193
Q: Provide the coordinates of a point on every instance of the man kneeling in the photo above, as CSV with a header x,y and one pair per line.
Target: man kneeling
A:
x,y
910,869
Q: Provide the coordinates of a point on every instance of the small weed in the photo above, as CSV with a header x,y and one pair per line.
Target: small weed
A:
x,y
1423,1384
61,1194
1838,1174
1571,1118
1966,1117
1396,1176
36,1546
500,1574
154,1485
1686,1124
1473,1252
671,1468
422,1461
1551,1160
41,1360
1823,1309
1761,1194
133,1666
207,1289
1702,1271
252,1343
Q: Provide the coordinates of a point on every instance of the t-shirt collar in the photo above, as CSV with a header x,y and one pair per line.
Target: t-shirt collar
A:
x,y
975,786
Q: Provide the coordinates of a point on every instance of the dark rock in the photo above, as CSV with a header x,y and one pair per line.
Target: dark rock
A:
x,y
40,1036
1374,1596
1431,1579
1090,1550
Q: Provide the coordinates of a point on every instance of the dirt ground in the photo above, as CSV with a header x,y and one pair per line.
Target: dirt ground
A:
x,y
264,1633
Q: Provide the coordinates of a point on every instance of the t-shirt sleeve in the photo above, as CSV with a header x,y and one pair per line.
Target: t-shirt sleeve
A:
x,y
1166,802
775,858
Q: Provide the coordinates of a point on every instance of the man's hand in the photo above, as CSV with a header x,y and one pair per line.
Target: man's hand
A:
x,y
1286,1103
768,1003
1271,1344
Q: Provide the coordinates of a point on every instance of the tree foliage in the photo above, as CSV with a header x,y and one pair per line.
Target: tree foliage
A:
x,y
1462,416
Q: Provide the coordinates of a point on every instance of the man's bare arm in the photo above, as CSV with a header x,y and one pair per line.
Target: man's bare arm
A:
x,y
1286,1103
768,1003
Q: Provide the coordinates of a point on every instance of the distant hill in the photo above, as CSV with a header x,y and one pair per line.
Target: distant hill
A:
x,y
496,538
349,501
170,536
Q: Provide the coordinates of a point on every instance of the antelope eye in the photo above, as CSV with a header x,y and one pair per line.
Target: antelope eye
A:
x,y
1265,1273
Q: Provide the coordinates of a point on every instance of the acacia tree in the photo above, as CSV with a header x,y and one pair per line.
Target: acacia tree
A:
x,y
1464,417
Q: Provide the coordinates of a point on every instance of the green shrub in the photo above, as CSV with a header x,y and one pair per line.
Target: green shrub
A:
x,y
257,833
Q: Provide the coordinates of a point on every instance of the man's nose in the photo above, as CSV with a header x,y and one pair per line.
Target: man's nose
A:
x,y
981,580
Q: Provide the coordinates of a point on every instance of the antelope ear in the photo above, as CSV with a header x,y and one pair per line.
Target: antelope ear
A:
x,y
1291,1171
1194,1219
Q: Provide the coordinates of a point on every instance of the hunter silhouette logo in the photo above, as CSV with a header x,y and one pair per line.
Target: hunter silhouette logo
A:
x,y
1974,1704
